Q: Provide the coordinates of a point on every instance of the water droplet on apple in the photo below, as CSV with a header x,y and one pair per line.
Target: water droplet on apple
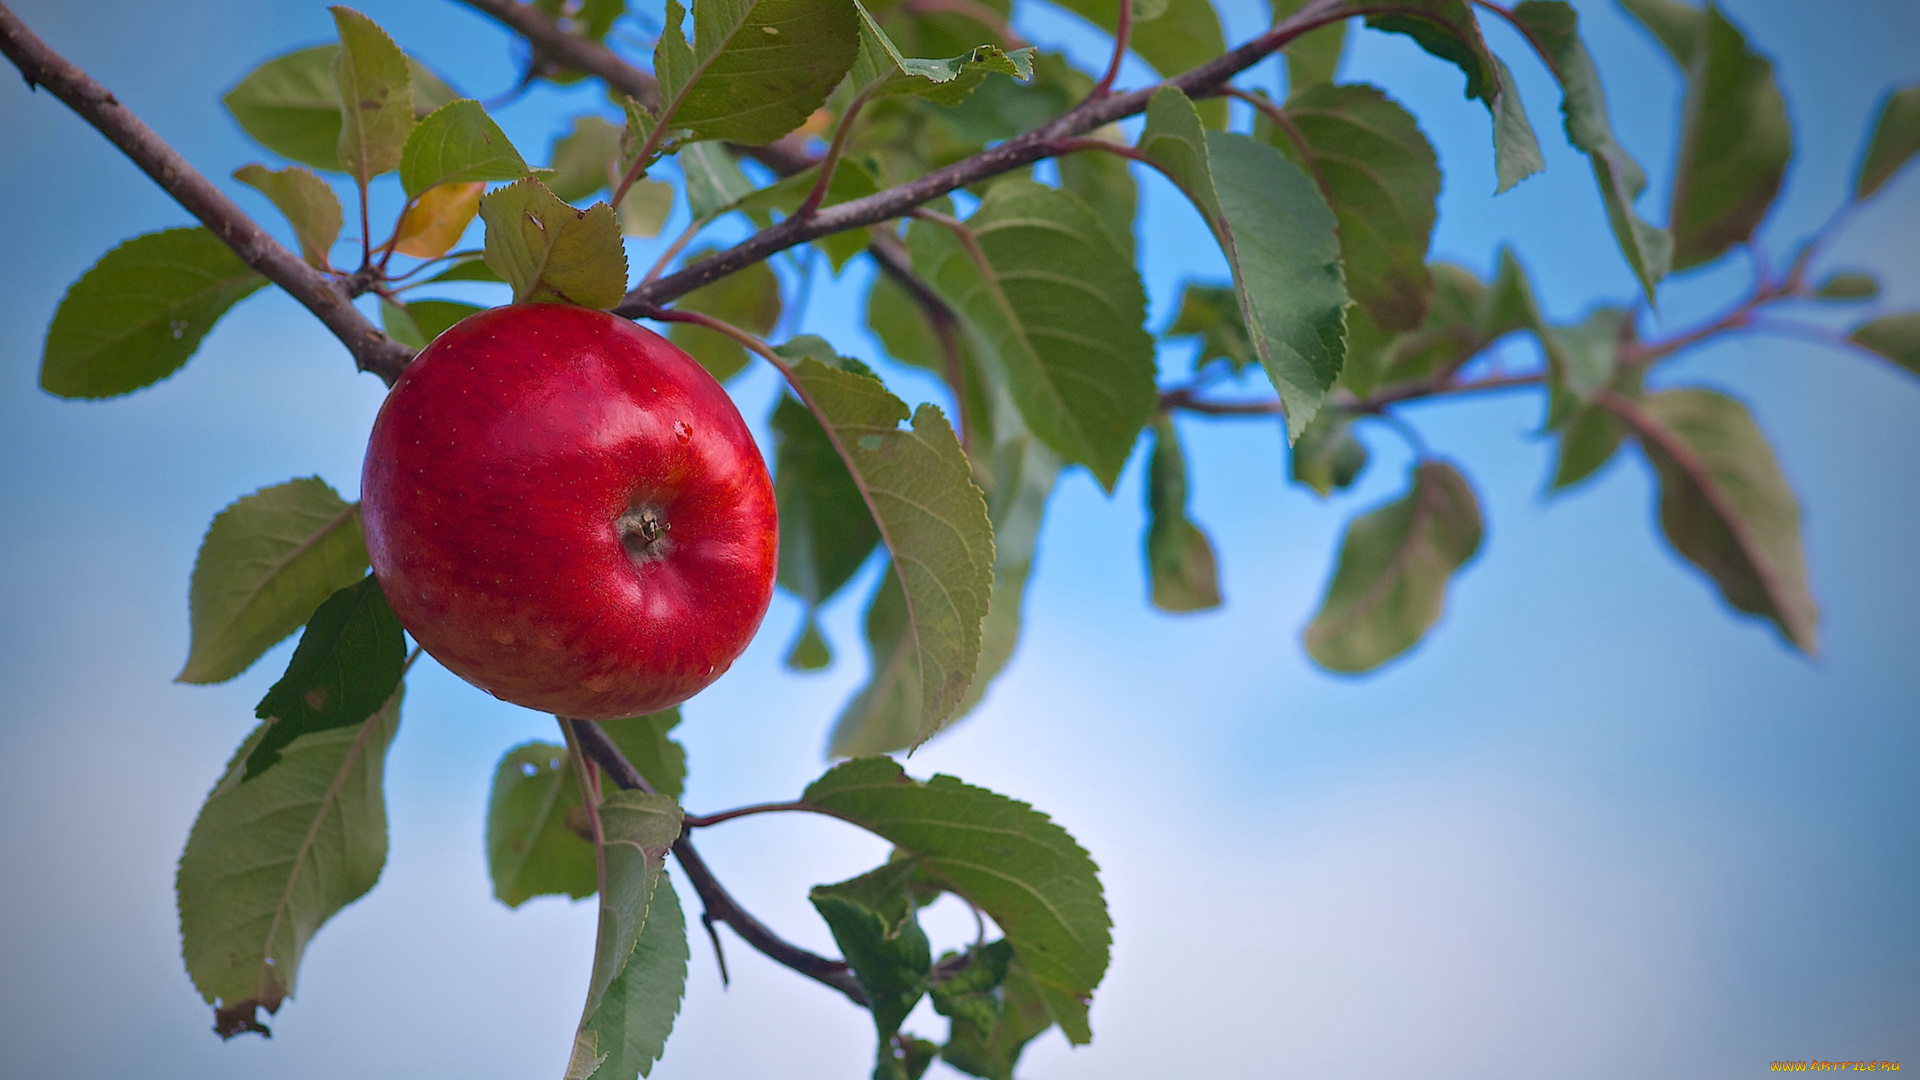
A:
x,y
682,430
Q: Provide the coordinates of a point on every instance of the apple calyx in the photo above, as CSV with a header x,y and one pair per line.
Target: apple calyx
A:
x,y
643,532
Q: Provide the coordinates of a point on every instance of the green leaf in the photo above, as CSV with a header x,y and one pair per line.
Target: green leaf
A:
x,y
1580,359
714,180
883,717
934,521
539,842
969,996
1380,176
1278,236
1001,108
1464,316
1734,146
644,208
1180,36
1516,150
1848,285
1675,25
1446,28
1588,440
375,84
1052,305
872,919
417,322
1212,314
140,313
1018,474
1021,1016
349,661
756,69
1106,185
270,861
1313,58
583,160
309,204
1590,435
636,829
1010,860
458,143
1554,27
851,180
1179,557
535,819
290,104
1896,337
1327,456
628,1033
879,69
1726,507
644,741
748,298
1896,138
1395,563
549,251
1024,472
471,268
268,561
826,530
810,651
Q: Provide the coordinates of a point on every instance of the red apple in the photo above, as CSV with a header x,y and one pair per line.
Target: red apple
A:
x,y
567,511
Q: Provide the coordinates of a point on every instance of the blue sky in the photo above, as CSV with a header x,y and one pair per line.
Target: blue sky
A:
x,y
1596,826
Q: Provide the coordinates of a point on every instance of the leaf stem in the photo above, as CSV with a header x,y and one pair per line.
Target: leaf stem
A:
x,y
699,821
366,226
1122,41
679,244
828,164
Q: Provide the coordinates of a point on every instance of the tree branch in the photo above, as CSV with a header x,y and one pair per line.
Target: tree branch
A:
x,y
570,52
330,299
720,905
1043,142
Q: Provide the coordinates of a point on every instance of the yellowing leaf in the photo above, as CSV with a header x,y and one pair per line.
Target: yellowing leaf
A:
x,y
433,224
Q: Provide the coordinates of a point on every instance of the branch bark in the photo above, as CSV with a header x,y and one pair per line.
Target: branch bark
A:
x,y
328,298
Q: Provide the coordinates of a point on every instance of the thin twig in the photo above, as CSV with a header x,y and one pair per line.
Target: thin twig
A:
x,y
719,904
328,298
892,257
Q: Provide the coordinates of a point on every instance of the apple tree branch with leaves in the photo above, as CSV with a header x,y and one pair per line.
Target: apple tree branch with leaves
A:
x,y
907,133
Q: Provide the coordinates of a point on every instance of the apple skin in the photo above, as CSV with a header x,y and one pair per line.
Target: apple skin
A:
x,y
568,511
